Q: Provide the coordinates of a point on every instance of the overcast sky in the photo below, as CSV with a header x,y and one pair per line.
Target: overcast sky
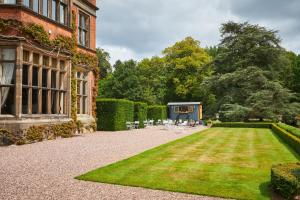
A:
x,y
134,29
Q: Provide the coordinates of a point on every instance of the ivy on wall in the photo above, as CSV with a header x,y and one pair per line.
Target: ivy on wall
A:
x,y
81,61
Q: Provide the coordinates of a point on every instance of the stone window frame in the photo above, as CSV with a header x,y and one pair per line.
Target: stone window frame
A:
x,y
58,89
82,93
11,85
17,99
83,29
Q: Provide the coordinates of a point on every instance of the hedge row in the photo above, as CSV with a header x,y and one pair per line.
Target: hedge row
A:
x,y
140,113
157,113
285,179
293,130
242,125
290,139
112,114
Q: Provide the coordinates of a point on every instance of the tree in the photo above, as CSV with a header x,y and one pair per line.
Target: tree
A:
x,y
152,75
187,65
124,82
103,62
247,81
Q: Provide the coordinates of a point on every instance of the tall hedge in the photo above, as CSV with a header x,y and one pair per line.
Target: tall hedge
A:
x,y
140,113
112,114
157,112
243,125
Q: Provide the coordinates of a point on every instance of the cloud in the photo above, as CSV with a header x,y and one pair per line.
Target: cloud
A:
x,y
143,28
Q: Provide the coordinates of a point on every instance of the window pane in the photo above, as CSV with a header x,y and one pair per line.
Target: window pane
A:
x,y
62,65
25,74
62,8
8,54
7,73
44,77
53,79
9,1
78,87
45,8
35,5
44,101
26,3
84,88
45,61
54,9
54,63
36,58
84,105
35,100
62,81
61,103
25,100
26,56
78,105
53,102
35,75
83,40
7,97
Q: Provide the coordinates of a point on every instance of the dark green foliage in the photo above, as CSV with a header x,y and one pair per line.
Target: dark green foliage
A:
x,y
157,112
6,137
293,130
285,179
140,113
290,139
112,114
242,125
103,64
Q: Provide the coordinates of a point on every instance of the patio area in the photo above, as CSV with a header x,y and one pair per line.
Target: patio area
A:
x,y
46,170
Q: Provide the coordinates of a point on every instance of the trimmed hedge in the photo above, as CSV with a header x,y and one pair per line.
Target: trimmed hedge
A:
x,y
140,113
285,179
242,125
290,139
293,130
112,114
157,112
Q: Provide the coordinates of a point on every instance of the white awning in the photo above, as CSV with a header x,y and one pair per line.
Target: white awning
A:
x,y
183,103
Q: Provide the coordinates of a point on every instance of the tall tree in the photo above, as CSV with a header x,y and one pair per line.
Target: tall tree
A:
x,y
103,62
187,65
247,82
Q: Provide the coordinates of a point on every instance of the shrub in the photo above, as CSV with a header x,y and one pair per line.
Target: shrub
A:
x,y
290,139
285,179
157,112
140,113
293,130
242,125
112,114
6,137
34,134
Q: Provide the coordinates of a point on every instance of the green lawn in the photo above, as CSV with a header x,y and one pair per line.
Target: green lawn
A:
x,y
224,162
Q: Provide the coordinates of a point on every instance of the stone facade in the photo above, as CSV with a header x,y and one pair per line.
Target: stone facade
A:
x,y
35,81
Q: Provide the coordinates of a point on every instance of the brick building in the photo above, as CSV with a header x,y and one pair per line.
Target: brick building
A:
x,y
37,71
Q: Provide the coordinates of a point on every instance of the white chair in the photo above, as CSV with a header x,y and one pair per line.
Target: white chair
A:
x,y
129,125
136,124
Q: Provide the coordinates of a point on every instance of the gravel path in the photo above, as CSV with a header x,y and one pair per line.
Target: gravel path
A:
x,y
46,170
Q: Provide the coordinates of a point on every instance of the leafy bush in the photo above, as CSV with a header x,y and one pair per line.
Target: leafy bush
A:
x,y
293,130
285,179
35,134
290,139
112,114
242,125
157,112
140,113
6,137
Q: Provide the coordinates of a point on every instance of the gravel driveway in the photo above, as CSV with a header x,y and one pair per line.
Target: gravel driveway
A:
x,y
46,170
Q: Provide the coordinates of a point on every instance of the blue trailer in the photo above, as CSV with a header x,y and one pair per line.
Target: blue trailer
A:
x,y
185,111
